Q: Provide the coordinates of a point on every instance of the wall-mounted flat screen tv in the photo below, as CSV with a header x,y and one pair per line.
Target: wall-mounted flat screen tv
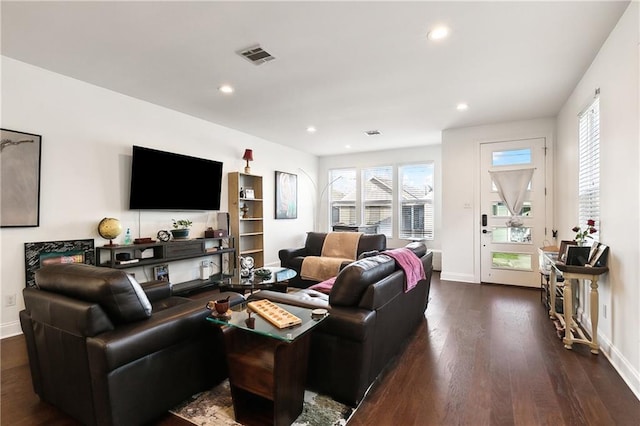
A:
x,y
163,180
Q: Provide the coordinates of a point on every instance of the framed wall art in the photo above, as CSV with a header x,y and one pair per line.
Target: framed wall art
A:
x,y
286,195
20,179
38,254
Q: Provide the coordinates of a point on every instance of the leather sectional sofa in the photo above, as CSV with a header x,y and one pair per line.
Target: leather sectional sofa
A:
x,y
370,319
109,352
292,258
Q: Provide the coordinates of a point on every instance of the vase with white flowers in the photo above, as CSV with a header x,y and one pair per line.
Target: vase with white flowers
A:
x,y
583,233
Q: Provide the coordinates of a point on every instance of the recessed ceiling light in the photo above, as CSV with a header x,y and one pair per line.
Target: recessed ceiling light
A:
x,y
311,129
462,107
348,146
225,88
438,33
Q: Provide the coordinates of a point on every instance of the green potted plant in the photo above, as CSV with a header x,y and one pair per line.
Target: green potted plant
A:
x,y
181,228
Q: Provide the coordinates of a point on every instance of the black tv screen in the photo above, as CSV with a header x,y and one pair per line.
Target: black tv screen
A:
x,y
163,180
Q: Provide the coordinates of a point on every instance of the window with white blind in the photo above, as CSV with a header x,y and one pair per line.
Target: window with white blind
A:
x,y
416,201
342,196
589,172
377,198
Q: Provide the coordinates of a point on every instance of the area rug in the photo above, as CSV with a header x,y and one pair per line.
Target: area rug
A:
x,y
215,408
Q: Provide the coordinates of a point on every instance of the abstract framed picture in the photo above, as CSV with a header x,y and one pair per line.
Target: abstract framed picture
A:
x,y
19,179
286,195
38,254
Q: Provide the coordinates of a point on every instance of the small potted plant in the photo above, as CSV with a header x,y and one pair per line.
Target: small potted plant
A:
x,y
181,228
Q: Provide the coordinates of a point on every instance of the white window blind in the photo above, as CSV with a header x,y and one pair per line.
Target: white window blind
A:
x,y
377,198
416,201
589,174
342,196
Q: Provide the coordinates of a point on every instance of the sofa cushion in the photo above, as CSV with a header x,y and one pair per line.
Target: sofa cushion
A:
x,y
353,280
117,292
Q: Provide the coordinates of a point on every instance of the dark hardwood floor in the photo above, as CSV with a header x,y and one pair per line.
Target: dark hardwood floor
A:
x,y
485,355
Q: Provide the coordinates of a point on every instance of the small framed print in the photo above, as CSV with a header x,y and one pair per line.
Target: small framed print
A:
x,y
599,255
249,194
161,272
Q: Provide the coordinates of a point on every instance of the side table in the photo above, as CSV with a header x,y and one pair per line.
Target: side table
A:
x,y
277,281
572,274
267,365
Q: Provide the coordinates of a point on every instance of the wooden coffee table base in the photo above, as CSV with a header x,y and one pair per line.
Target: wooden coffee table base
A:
x,y
267,377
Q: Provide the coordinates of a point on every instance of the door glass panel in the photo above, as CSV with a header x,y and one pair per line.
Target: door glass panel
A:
x,y
499,209
511,157
511,235
503,260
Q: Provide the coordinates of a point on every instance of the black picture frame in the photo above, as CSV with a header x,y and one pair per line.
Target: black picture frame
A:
x,y
20,154
286,206
36,254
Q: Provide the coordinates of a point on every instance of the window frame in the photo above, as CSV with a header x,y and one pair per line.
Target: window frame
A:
x,y
589,164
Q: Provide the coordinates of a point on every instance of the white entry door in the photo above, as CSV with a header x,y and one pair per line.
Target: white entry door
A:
x,y
509,248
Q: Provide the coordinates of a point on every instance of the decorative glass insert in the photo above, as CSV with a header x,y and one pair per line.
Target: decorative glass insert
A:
x,y
499,209
505,234
511,157
515,261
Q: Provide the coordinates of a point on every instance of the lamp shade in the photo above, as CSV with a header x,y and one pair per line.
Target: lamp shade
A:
x,y
248,155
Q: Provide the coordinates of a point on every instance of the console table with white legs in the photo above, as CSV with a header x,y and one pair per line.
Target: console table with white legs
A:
x,y
572,274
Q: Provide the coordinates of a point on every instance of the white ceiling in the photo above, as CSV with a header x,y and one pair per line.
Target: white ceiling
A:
x,y
343,67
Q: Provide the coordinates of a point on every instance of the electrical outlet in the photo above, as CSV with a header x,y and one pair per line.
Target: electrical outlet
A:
x,y
10,300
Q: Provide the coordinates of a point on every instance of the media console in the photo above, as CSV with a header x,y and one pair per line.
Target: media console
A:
x,y
125,256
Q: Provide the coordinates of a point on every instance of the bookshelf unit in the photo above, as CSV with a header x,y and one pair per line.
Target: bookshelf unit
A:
x,y
248,232
156,253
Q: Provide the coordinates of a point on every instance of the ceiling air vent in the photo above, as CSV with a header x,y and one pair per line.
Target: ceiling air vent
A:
x,y
256,55
372,132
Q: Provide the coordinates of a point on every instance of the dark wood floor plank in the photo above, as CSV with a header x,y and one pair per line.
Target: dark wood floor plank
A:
x,y
485,355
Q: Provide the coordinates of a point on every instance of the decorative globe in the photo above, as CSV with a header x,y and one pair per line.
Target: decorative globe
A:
x,y
109,228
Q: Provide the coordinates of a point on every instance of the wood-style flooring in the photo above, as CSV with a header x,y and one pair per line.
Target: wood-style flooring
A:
x,y
485,355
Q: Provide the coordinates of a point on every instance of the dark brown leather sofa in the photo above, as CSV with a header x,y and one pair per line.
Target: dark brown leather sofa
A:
x,y
370,320
292,257
107,352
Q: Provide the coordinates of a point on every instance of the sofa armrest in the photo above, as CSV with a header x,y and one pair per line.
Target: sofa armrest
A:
x,y
156,290
287,254
345,322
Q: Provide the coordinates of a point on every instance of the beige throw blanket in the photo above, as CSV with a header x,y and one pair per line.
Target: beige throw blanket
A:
x,y
338,247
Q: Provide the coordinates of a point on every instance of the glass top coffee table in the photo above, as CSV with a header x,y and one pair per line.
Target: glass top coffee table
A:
x,y
267,364
276,281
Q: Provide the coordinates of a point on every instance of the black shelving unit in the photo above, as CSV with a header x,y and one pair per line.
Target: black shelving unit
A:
x,y
164,252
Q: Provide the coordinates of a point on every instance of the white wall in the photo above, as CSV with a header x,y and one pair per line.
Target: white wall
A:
x,y
87,135
393,157
616,72
461,189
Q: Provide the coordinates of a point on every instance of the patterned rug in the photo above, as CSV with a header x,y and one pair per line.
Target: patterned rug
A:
x,y
215,408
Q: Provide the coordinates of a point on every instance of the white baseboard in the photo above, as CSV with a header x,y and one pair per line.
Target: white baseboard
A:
x,y
630,376
10,329
465,278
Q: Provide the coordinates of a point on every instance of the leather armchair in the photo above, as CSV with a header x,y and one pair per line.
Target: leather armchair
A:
x,y
292,257
108,353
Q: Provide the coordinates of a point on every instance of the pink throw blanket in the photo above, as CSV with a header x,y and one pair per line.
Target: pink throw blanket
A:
x,y
410,264
324,286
